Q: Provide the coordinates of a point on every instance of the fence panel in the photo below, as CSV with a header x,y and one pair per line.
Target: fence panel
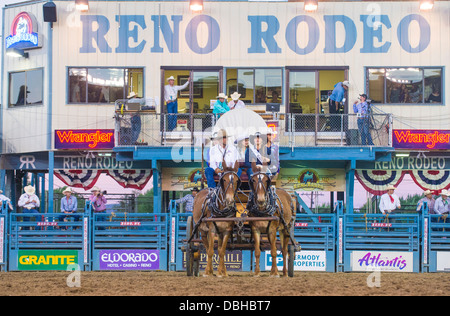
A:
x,y
48,241
436,244
130,241
316,234
3,236
377,242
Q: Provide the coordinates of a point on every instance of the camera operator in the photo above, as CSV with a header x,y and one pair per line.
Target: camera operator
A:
x,y
98,200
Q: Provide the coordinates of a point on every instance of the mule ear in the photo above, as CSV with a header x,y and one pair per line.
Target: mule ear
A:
x,y
236,167
224,165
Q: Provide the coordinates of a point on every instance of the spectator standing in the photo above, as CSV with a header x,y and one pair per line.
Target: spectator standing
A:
x,y
189,200
68,205
235,103
221,105
428,198
336,99
170,97
362,109
389,201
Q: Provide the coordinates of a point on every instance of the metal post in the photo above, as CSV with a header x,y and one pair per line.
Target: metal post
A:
x,y
51,166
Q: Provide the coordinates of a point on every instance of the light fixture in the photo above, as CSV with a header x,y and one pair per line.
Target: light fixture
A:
x,y
196,5
311,5
402,155
90,154
426,5
16,52
82,5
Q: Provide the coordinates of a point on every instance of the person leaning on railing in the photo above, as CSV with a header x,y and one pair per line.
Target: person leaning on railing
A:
x,y
389,201
29,202
442,206
189,200
7,199
362,109
428,197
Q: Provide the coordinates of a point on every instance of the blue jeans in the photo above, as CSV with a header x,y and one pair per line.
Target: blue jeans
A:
x,y
209,174
28,218
172,107
135,128
363,126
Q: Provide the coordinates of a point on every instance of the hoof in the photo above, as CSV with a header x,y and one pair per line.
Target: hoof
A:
x,y
257,276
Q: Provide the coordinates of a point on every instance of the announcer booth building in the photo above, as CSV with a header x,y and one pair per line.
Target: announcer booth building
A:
x,y
66,74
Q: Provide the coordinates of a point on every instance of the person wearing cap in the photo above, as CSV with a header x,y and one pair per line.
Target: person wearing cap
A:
x,y
336,99
442,205
262,157
235,103
362,109
389,201
170,98
68,205
4,198
222,151
428,198
29,202
189,200
221,106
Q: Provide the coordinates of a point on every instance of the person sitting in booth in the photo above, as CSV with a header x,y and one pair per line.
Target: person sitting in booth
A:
x,y
389,201
221,106
235,103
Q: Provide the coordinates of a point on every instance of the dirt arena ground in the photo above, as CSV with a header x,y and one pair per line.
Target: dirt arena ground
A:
x,y
237,284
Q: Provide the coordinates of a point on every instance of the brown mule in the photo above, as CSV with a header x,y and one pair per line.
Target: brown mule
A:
x,y
217,203
267,203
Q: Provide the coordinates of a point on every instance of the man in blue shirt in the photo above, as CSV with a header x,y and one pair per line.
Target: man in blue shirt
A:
x,y
68,205
362,109
189,200
335,100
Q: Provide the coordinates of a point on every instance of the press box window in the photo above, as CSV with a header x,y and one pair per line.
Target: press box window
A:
x,y
256,85
410,85
26,88
104,85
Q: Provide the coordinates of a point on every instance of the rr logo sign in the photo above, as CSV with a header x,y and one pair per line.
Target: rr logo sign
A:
x,y
27,161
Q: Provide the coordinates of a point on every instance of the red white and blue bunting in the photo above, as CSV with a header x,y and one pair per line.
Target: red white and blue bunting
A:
x,y
433,180
377,181
85,179
135,179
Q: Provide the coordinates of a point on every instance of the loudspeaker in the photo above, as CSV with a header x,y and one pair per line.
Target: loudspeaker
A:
x,y
49,12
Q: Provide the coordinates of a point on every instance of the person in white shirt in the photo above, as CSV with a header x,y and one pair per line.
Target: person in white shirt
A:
x,y
389,201
235,103
29,202
219,153
442,204
4,198
170,98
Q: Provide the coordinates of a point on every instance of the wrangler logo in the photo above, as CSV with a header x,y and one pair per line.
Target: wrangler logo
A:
x,y
71,139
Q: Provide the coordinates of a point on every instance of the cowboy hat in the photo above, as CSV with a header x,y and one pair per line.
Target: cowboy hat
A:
x,y
195,189
391,187
67,190
345,83
444,192
427,192
132,95
29,189
222,96
221,134
235,96
170,78
95,189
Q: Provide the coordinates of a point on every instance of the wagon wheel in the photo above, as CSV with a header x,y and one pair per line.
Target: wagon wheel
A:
x,y
192,251
291,257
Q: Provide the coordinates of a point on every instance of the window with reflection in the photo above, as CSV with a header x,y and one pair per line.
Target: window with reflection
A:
x,y
404,85
26,87
103,85
256,85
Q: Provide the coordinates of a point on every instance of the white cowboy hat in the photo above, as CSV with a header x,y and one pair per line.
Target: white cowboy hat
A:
x,y
29,189
346,83
95,189
390,187
67,190
170,78
427,192
235,96
242,137
271,131
444,192
222,96
131,95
